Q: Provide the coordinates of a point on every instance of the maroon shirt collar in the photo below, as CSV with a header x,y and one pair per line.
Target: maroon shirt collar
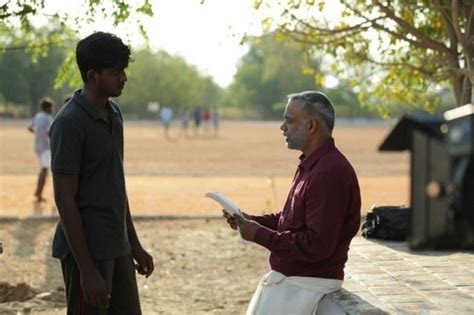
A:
x,y
308,162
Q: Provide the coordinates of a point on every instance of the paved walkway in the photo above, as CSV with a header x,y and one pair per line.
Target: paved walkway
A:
x,y
385,277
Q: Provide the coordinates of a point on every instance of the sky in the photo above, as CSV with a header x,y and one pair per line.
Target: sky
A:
x,y
207,35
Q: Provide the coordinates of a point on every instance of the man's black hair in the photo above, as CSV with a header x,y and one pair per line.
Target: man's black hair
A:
x,y
101,51
46,102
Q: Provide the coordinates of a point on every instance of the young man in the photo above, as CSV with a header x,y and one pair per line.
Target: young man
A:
x,y
40,125
308,240
95,239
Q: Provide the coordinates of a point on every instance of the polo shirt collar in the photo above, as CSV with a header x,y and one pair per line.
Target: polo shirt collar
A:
x,y
308,162
89,108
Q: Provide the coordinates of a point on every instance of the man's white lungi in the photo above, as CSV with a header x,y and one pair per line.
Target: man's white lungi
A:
x,y
278,294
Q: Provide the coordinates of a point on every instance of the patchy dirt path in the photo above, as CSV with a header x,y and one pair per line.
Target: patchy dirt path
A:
x,y
201,268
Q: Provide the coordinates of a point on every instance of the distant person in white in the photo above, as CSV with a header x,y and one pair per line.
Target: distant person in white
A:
x,y
40,125
166,115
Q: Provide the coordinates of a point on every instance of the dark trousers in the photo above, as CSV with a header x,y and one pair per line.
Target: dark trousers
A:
x,y
119,276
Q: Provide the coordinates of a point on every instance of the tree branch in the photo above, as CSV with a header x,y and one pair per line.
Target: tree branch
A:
x,y
327,31
449,25
457,28
423,40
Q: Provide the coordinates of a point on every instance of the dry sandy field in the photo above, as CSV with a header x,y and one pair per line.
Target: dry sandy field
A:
x,y
201,267
248,161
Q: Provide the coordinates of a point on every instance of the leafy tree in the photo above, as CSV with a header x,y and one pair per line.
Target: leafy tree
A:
x,y
169,80
396,52
26,75
268,72
19,15
18,19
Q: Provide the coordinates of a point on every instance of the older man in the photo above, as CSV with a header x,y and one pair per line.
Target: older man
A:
x,y
309,239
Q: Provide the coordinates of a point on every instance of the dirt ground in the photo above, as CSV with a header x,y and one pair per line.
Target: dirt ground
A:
x,y
248,161
201,266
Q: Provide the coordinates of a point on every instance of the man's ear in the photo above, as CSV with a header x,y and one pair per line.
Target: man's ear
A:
x,y
313,125
90,75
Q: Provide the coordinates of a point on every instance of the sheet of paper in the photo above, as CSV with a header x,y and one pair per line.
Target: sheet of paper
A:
x,y
228,206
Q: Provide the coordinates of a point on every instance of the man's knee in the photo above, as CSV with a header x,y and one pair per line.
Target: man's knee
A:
x,y
327,306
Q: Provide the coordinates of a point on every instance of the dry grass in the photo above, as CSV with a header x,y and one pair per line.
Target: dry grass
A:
x,y
248,161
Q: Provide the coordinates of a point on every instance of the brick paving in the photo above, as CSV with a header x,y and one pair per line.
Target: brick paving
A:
x,y
384,277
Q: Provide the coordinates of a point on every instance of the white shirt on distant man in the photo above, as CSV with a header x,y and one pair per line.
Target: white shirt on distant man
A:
x,y
40,124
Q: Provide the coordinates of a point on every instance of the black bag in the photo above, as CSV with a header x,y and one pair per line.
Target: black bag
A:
x,y
387,223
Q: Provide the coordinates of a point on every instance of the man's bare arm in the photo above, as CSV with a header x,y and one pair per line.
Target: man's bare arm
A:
x,y
93,284
144,261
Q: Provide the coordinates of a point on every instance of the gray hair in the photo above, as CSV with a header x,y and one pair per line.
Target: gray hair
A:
x,y
316,104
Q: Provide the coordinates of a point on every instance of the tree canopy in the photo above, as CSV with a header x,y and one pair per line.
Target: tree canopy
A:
x,y
19,20
168,80
268,72
396,52
26,75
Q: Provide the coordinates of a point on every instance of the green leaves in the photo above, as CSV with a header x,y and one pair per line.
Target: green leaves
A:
x,y
395,54
271,69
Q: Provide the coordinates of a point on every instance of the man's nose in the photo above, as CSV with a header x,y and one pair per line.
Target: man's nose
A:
x,y
283,127
123,76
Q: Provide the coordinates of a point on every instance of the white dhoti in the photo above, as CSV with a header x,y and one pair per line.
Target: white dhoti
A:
x,y
278,294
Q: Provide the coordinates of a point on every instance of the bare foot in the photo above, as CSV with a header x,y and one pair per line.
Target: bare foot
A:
x,y
40,199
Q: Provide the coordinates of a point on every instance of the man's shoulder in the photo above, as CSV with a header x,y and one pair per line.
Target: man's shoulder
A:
x,y
41,118
335,162
39,115
71,110
70,114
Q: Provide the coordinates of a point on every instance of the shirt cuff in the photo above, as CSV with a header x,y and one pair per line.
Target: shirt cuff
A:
x,y
263,236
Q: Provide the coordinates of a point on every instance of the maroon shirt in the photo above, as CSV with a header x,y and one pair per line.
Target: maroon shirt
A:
x,y
311,236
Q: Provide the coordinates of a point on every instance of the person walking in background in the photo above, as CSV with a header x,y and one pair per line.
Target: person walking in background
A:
x,y
197,119
184,122
216,121
95,239
40,125
206,119
309,239
166,115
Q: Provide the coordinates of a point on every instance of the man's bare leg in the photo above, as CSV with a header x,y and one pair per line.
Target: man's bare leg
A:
x,y
40,185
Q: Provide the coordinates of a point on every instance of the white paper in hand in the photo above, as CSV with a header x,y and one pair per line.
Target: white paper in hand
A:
x,y
228,206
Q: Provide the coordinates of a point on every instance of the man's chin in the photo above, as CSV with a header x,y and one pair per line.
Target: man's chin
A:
x,y
116,94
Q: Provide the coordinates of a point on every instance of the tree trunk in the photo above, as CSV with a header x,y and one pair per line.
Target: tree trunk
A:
x,y
466,95
469,55
456,81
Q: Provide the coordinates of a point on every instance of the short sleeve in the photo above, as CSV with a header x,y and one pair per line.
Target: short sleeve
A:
x,y
66,141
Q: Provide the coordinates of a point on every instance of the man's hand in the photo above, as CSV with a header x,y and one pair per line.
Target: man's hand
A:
x,y
95,289
247,228
230,219
144,261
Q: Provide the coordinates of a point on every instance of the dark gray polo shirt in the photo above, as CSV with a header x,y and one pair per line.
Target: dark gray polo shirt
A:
x,y
84,144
